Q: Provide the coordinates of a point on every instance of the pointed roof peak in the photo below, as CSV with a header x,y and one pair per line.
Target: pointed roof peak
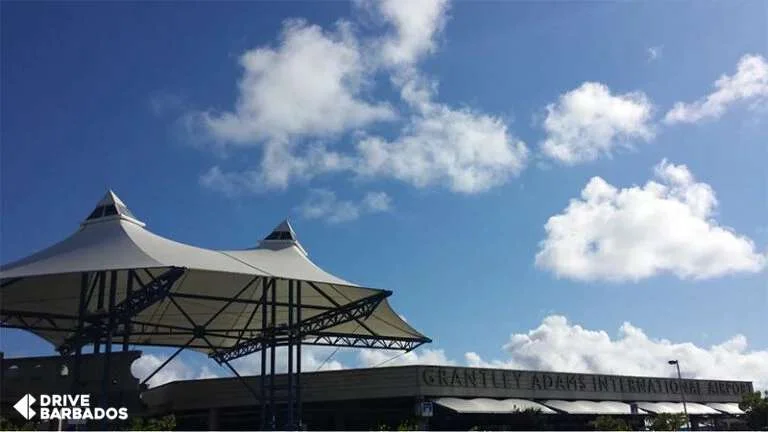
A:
x,y
281,236
111,207
110,198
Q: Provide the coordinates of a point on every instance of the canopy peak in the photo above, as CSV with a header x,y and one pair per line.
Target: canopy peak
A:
x,y
281,236
111,207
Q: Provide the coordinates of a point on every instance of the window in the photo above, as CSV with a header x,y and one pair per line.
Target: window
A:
x,y
110,210
97,212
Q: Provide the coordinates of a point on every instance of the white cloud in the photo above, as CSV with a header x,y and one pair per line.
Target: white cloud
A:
x,y
278,167
750,82
280,106
557,345
425,356
311,84
654,53
589,121
415,26
467,152
323,204
313,358
176,370
637,232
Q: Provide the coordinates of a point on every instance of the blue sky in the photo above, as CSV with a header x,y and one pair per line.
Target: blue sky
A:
x,y
423,151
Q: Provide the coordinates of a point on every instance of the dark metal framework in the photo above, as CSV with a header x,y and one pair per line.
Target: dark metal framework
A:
x,y
280,407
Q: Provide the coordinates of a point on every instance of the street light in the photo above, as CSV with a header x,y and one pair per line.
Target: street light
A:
x,y
682,392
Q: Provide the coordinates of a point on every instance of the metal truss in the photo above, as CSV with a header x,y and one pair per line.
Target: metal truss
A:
x,y
364,341
355,310
103,324
118,322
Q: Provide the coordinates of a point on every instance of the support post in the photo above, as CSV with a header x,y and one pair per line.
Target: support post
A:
x,y
298,356
127,321
80,318
290,424
99,308
272,344
106,382
263,379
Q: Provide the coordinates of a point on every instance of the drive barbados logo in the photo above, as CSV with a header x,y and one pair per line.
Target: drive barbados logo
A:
x,y
67,407
24,406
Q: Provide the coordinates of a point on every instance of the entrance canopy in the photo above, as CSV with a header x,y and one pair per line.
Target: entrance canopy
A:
x,y
162,292
676,408
590,407
726,407
491,406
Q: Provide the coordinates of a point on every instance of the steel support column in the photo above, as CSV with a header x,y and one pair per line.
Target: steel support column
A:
x,y
263,378
290,424
272,346
299,337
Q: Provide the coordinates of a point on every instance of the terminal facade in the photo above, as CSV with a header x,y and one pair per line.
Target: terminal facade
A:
x,y
424,397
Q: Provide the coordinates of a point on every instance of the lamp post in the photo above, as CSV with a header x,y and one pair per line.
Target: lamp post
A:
x,y
682,392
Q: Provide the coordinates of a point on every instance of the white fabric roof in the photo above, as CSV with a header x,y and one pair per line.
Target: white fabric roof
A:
x,y
490,406
589,407
286,258
726,407
675,408
112,238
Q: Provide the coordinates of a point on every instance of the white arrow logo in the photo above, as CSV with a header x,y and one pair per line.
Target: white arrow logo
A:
x,y
24,406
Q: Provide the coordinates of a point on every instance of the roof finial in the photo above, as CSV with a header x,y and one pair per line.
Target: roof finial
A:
x,y
111,207
282,236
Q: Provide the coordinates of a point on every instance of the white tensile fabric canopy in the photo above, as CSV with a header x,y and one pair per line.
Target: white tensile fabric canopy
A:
x,y
114,241
491,406
676,408
726,407
589,407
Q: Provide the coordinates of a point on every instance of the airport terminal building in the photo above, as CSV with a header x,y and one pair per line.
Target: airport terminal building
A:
x,y
113,285
427,397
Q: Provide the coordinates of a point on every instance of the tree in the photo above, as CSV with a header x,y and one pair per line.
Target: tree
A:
x,y
668,422
608,423
756,407
166,423
8,425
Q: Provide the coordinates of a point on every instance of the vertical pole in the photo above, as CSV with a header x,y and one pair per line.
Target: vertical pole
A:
x,y
273,325
127,322
81,308
682,394
263,379
99,306
298,355
106,381
290,423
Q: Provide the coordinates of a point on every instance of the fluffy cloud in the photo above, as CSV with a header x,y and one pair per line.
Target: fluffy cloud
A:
x,y
557,345
466,151
323,204
415,25
637,232
426,356
654,53
312,358
750,82
176,370
280,98
590,121
278,167
280,107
